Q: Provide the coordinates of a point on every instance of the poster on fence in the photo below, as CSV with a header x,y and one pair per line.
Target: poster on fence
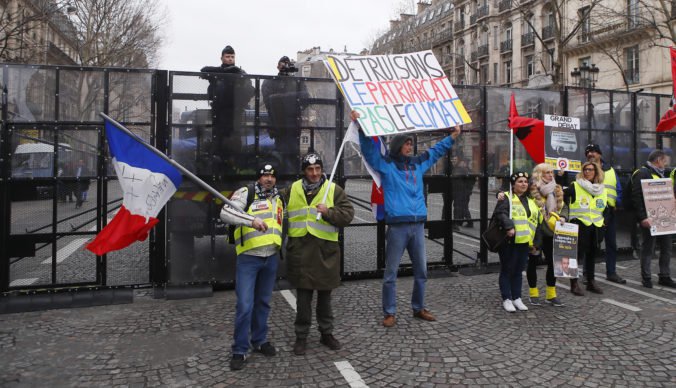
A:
x,y
398,93
564,149
658,197
565,251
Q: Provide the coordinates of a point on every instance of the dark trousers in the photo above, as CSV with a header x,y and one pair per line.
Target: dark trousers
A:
x,y
611,242
547,251
648,243
513,259
587,249
304,312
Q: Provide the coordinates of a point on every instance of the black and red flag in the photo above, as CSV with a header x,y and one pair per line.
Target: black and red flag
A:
x,y
529,131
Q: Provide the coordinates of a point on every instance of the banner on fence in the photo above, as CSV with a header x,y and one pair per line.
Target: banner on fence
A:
x,y
564,149
398,93
565,251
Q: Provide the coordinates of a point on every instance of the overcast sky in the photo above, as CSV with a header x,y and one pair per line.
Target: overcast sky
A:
x,y
262,31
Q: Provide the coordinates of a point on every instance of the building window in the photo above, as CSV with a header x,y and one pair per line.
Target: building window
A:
x,y
495,36
632,13
585,20
508,72
305,139
484,74
632,69
495,74
530,66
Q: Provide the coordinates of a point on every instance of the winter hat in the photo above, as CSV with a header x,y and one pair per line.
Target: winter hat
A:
x,y
397,142
310,159
228,50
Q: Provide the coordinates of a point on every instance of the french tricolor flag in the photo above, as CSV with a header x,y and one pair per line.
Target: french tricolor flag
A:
x,y
147,181
377,197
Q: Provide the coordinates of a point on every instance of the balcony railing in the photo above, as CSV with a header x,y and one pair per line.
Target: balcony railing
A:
x,y
459,25
483,51
460,63
472,19
482,12
504,5
474,56
609,30
505,46
527,39
632,76
443,36
547,32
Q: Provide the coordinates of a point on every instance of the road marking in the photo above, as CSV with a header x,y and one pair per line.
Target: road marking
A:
x,y
290,298
621,267
562,286
671,301
70,248
656,287
623,305
350,375
23,282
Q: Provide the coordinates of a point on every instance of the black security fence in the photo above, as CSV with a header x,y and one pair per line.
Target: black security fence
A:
x,y
58,189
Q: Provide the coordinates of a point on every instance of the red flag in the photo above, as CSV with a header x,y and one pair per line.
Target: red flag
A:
x,y
672,52
668,121
531,132
377,202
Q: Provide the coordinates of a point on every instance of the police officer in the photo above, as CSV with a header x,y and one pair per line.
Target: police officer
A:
x,y
258,237
312,251
613,192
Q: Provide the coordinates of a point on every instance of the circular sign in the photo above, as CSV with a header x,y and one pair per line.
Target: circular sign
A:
x,y
562,163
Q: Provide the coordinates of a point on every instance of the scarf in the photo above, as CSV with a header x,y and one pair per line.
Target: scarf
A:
x,y
660,172
262,194
592,188
547,190
310,188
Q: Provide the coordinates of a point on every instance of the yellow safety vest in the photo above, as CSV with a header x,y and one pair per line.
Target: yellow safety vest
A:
x,y
303,217
673,176
587,208
272,213
610,183
524,226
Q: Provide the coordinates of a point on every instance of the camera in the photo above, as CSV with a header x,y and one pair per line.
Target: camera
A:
x,y
288,68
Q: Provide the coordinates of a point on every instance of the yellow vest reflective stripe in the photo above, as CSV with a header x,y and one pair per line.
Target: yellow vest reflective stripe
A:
x,y
587,208
610,183
673,176
303,217
248,238
524,226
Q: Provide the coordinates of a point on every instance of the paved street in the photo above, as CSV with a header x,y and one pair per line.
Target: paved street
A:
x,y
625,337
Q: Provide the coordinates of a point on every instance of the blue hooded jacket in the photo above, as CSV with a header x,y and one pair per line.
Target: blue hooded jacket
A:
x,y
402,179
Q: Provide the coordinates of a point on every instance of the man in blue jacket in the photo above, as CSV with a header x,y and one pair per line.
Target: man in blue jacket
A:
x,y
405,213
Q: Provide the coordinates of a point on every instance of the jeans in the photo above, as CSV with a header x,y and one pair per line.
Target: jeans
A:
x,y
611,242
648,243
304,312
255,279
513,258
409,236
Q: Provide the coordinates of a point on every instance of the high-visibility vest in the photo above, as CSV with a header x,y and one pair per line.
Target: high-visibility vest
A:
x,y
303,217
610,184
673,176
524,226
273,214
588,208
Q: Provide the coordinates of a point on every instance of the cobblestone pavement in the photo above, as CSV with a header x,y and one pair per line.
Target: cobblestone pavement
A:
x,y
595,340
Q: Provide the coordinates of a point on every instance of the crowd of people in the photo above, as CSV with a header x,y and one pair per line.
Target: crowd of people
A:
x,y
311,211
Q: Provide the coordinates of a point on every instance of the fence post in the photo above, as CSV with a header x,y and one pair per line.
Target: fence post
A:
x,y
158,245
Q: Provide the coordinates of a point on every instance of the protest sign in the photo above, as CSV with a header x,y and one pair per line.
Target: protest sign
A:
x,y
565,251
398,93
660,205
564,149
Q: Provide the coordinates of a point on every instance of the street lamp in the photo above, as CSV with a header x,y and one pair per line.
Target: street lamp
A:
x,y
585,75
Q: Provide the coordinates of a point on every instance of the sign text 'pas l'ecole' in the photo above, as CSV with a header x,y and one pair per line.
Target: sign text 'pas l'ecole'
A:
x,y
398,93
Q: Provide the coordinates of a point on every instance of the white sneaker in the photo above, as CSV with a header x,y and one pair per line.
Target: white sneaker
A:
x,y
519,305
508,306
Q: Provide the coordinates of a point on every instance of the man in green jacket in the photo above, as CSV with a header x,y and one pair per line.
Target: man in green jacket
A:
x,y
313,252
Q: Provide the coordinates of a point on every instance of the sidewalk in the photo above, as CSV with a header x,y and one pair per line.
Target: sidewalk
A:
x,y
595,340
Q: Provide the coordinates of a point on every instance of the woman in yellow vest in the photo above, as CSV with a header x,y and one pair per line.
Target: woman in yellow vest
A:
x,y
549,198
521,226
587,201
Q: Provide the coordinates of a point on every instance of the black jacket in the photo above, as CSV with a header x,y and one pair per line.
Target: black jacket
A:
x,y
501,214
645,172
229,95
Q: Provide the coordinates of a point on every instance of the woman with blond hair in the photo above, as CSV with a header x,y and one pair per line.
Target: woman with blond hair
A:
x,y
587,203
549,198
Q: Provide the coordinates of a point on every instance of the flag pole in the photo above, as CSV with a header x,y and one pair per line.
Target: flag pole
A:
x,y
511,168
182,169
333,172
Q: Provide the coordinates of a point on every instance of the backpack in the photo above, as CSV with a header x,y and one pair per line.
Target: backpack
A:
x,y
251,193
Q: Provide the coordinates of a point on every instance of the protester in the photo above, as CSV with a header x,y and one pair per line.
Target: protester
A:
x,y
229,97
521,227
258,238
614,192
405,213
654,168
549,198
587,199
82,183
312,251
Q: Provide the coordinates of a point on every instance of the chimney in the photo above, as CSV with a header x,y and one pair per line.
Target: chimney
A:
x,y
393,24
422,6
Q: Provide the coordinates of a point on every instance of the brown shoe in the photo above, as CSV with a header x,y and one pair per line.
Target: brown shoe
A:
x,y
389,321
575,288
330,341
424,315
300,346
593,287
